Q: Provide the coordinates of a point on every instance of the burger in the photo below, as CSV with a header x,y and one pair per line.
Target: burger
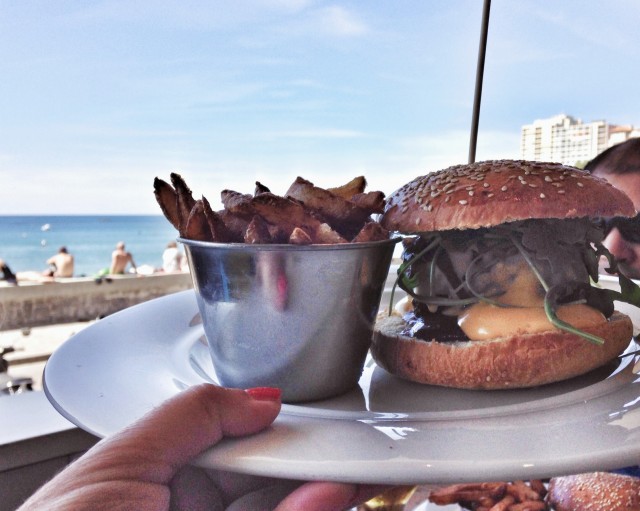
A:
x,y
501,263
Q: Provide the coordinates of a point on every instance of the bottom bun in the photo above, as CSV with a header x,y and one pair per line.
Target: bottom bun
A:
x,y
597,491
525,360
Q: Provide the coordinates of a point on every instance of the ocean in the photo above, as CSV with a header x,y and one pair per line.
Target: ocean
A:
x,y
26,242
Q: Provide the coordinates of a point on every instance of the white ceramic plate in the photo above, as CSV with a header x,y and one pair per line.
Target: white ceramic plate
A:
x,y
386,431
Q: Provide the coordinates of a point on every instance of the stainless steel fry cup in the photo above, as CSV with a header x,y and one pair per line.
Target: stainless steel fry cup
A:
x,y
295,317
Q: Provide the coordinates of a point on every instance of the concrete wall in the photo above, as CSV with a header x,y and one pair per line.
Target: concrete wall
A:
x,y
73,300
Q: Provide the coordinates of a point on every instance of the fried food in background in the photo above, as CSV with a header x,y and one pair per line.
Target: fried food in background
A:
x,y
595,491
305,215
499,496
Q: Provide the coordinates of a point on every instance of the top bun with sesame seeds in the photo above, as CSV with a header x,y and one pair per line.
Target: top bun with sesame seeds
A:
x,y
499,267
489,193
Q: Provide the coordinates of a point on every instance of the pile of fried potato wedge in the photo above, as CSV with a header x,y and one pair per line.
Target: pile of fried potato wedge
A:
x,y
305,215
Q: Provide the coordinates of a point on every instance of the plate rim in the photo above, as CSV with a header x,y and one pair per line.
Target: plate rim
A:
x,y
226,455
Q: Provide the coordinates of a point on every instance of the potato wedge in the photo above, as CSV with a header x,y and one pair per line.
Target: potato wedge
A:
x,y
300,237
372,231
285,213
197,226
220,233
185,200
257,231
168,200
344,216
346,191
370,202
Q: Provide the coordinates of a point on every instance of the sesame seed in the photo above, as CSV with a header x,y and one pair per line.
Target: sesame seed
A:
x,y
463,202
579,184
486,185
471,193
560,191
447,198
548,179
542,195
504,188
533,186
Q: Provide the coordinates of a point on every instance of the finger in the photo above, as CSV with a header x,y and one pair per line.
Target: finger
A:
x,y
153,448
192,490
324,496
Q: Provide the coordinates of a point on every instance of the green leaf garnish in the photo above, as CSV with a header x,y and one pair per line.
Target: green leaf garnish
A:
x,y
562,254
549,307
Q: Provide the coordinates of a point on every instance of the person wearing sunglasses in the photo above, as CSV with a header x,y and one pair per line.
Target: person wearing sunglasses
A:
x,y
620,165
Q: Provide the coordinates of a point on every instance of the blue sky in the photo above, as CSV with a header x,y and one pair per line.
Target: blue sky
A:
x,y
99,97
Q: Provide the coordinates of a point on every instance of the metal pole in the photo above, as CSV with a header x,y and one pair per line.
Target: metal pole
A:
x,y
479,76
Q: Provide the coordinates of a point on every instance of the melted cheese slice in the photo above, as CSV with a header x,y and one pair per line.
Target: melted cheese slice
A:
x,y
484,321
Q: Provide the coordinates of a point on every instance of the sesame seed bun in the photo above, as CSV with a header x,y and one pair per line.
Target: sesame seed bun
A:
x,y
597,491
523,360
490,193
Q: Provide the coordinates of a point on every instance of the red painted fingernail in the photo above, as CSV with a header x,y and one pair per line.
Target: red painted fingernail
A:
x,y
264,393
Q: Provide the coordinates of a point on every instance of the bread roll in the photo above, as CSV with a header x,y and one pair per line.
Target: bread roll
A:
x,y
520,361
597,491
490,193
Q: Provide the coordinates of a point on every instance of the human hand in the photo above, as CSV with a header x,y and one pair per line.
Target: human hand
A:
x,y
146,465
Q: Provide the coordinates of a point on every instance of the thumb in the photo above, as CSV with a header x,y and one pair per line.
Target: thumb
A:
x,y
329,496
156,446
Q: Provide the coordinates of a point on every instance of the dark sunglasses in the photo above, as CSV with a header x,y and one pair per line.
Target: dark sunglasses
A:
x,y
629,227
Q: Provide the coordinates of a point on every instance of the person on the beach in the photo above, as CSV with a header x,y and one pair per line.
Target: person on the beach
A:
x,y
620,165
7,274
61,264
120,259
146,465
172,258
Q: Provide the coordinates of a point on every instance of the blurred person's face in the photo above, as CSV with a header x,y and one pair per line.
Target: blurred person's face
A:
x,y
627,252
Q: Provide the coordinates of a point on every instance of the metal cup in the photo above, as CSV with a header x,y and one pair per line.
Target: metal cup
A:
x,y
295,317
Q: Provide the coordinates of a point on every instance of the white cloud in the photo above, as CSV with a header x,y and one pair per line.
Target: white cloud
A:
x,y
336,20
325,22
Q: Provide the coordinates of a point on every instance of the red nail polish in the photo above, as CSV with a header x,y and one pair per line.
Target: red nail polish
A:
x,y
264,393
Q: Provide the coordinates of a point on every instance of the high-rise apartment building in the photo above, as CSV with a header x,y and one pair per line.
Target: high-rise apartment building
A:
x,y
568,140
